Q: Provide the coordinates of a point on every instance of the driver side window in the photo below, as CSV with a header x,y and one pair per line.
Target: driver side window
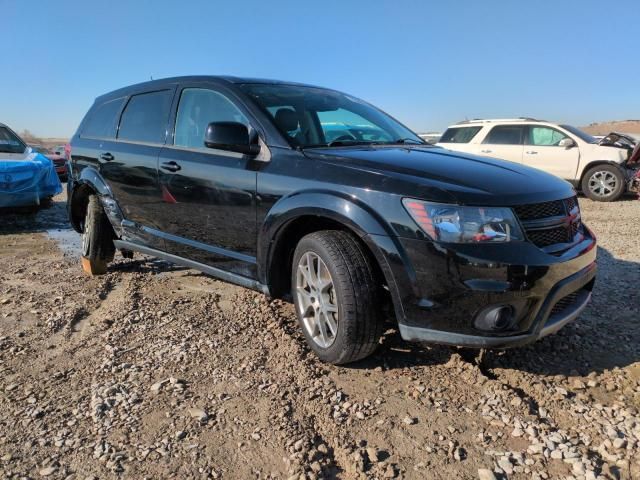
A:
x,y
545,136
197,108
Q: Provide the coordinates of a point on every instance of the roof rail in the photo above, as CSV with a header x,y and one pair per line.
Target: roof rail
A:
x,y
494,120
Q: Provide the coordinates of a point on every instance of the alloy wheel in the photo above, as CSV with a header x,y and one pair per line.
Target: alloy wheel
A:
x,y
317,299
603,183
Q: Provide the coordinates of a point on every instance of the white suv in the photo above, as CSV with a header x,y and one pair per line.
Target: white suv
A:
x,y
604,169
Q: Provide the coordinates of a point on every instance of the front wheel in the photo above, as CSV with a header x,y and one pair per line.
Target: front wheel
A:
x,y
337,297
603,183
97,239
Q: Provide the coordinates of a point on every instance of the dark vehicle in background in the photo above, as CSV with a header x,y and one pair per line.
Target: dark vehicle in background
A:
x,y
59,161
314,196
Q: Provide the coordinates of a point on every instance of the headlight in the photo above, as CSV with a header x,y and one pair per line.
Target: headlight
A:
x,y
456,224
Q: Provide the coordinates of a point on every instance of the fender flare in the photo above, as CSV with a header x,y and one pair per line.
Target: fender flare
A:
x,y
89,178
347,210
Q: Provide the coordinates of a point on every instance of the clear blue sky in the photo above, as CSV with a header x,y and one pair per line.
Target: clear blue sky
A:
x,y
427,63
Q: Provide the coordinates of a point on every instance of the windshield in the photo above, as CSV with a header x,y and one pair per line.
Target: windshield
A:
x,y
315,117
9,142
584,136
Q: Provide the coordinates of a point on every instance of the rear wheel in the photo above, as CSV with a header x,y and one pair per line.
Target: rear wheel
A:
x,y
97,239
603,183
336,296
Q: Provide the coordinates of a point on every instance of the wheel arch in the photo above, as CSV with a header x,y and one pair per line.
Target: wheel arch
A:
x,y
290,220
597,163
89,182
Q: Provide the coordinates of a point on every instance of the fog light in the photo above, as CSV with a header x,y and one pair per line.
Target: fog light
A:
x,y
494,318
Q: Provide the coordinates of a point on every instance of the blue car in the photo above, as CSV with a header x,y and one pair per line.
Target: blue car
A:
x,y
26,177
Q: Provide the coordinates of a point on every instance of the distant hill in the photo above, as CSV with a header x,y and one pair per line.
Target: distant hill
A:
x,y
32,139
622,126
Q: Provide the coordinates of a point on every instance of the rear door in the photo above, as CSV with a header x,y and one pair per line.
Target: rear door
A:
x,y
459,138
504,142
542,151
208,195
130,163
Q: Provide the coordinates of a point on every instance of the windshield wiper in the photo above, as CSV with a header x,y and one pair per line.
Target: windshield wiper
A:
x,y
408,140
339,143
342,143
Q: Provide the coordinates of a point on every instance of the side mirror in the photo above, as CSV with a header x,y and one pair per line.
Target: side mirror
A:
x,y
231,136
567,143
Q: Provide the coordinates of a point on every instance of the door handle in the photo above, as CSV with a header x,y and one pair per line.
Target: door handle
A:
x,y
486,151
170,166
106,156
531,152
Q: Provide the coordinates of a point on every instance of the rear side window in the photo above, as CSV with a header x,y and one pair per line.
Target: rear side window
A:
x,y
459,134
103,120
505,135
145,117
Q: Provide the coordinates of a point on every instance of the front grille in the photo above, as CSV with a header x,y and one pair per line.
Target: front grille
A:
x,y
564,303
551,224
539,210
551,236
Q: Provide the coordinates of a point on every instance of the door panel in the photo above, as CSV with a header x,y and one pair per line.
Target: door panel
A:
x,y
208,195
513,153
558,161
208,210
133,177
542,152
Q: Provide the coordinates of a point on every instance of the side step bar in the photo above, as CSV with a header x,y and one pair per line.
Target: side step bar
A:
x,y
213,271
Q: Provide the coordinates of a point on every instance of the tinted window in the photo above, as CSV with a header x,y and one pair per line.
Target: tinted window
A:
x,y
145,117
199,107
9,142
103,120
505,135
545,136
459,134
311,116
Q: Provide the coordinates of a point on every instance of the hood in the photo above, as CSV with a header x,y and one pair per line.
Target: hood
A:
x,y
619,140
469,179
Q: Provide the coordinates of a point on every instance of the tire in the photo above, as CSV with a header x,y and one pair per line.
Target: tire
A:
x,y
603,183
97,239
350,310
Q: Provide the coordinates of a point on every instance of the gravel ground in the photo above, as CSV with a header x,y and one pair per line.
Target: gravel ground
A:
x,y
155,371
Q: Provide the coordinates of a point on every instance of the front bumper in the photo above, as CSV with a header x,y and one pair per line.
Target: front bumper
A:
x,y
439,291
634,183
547,324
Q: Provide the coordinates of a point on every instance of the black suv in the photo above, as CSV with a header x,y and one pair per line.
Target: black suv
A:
x,y
312,195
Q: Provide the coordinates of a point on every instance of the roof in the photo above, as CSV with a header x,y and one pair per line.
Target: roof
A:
x,y
197,78
500,120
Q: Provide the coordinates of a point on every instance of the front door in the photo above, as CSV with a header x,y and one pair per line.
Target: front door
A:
x,y
542,151
208,195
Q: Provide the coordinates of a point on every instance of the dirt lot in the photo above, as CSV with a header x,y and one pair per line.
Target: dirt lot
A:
x,y
154,371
